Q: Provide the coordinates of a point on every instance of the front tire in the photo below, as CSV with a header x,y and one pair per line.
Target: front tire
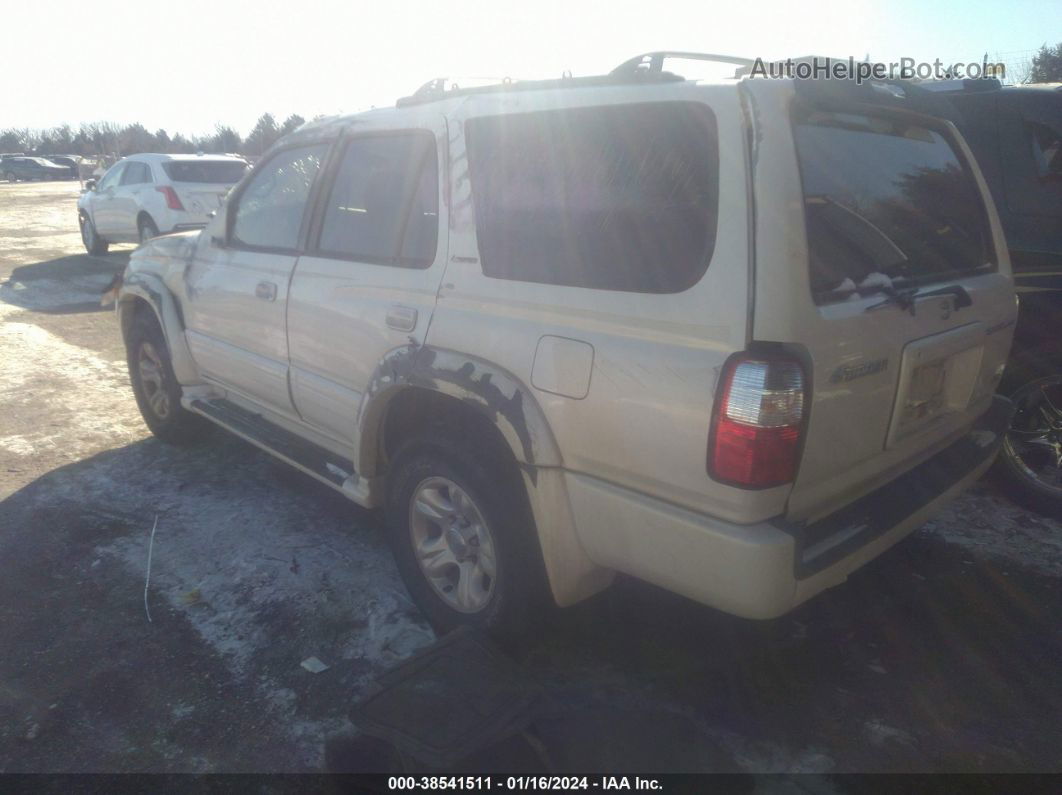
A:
x,y
94,244
1029,465
463,537
158,395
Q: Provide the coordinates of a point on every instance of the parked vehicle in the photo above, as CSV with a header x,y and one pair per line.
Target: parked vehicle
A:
x,y
28,168
734,339
70,162
1016,134
146,195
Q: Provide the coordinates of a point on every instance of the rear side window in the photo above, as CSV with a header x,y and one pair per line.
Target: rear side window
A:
x,y
270,209
384,204
619,197
1047,149
886,202
214,172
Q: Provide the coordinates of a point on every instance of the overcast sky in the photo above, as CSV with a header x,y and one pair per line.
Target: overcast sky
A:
x,y
188,65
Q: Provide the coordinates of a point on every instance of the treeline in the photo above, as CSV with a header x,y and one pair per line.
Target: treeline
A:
x,y
106,138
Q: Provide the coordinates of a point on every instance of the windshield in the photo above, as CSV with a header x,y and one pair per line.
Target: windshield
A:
x,y
216,172
887,204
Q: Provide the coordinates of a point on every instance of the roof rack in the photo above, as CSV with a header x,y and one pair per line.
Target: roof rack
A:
x,y
648,67
962,85
653,62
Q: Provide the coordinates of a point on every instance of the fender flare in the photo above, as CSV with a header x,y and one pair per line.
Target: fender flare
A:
x,y
491,390
150,289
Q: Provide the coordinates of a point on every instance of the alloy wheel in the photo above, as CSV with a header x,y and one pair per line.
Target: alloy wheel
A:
x,y
87,233
1034,441
452,544
153,380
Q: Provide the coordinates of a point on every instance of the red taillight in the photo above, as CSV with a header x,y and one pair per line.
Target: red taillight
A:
x,y
757,424
173,201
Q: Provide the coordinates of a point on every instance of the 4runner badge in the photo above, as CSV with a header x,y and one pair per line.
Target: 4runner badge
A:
x,y
850,372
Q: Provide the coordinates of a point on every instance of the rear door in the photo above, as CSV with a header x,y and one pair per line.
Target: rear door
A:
x,y
876,201
368,283
129,197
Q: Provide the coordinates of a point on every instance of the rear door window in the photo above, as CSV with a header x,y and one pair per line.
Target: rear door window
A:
x,y
1047,149
886,202
384,205
619,197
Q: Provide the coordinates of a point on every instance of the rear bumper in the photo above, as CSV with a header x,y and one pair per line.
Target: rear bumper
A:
x,y
765,570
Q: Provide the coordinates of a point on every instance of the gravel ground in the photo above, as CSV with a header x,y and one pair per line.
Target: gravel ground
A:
x,y
941,656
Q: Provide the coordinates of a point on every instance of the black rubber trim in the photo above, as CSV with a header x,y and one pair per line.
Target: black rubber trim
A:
x,y
823,543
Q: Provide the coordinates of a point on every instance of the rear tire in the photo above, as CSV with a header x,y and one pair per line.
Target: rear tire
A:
x,y
94,244
463,537
158,395
1029,465
10,176
147,229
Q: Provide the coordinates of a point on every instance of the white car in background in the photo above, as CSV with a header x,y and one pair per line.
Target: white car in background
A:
x,y
145,195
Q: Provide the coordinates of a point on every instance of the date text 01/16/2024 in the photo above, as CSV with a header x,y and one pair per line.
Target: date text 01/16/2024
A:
x,y
522,783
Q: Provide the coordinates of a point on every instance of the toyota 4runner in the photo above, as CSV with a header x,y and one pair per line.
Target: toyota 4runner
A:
x,y
735,339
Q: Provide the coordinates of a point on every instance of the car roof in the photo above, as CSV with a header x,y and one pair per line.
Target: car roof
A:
x,y
158,157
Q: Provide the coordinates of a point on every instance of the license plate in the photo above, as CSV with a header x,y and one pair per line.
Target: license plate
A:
x,y
926,395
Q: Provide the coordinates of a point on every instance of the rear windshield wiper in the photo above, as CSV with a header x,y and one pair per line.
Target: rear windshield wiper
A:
x,y
905,298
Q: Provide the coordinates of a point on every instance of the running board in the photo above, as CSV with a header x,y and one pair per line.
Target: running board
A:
x,y
305,456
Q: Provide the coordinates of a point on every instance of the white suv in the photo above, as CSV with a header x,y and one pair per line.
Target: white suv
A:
x,y
735,339
146,195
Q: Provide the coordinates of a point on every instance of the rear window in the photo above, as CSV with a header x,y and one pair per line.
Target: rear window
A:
x,y
886,202
614,198
217,172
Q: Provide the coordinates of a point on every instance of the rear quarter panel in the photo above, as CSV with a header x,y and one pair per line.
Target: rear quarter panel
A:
x,y
641,419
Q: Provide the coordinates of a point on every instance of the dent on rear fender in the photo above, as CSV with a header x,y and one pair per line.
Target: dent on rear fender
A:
x,y
493,392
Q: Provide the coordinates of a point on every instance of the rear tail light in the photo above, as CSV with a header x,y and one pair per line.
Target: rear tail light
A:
x,y
757,423
173,201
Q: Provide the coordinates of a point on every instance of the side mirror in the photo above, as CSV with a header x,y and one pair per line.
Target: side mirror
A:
x,y
216,227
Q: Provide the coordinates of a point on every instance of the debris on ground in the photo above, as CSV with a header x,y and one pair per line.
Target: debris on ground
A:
x,y
313,665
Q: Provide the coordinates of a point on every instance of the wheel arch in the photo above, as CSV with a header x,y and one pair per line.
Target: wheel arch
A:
x,y
142,292
449,378
411,384
142,215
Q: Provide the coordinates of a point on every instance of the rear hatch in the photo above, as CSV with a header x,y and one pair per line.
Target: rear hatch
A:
x,y
880,265
203,183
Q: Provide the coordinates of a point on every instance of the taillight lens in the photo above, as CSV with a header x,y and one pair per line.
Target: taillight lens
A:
x,y
173,201
759,417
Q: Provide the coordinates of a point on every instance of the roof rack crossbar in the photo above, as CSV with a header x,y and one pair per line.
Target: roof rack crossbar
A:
x,y
646,67
655,60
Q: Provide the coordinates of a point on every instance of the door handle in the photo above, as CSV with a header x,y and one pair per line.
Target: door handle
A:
x,y
267,291
402,318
